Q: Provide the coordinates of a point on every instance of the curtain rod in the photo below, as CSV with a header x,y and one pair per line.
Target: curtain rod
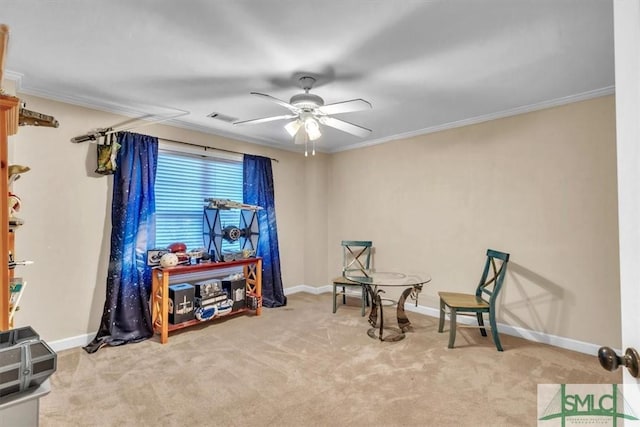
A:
x,y
103,132
207,147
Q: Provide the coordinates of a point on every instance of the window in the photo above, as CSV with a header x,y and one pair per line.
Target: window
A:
x,y
183,181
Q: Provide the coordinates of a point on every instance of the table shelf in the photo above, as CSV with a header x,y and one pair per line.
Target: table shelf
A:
x,y
192,322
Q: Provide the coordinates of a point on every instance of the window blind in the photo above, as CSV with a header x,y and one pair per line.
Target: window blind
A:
x,y
183,181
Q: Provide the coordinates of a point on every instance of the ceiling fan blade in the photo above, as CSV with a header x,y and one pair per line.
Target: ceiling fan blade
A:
x,y
345,126
266,119
277,101
345,106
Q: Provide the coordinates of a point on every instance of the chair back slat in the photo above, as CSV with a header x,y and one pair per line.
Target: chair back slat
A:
x,y
356,256
491,285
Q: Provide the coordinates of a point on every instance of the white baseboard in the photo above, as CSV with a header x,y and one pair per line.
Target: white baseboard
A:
x,y
554,340
71,342
83,340
308,289
541,337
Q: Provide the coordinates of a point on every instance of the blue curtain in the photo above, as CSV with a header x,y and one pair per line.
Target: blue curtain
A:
x,y
126,315
258,190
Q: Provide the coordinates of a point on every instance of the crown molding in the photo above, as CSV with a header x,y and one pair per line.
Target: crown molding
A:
x,y
142,115
15,77
228,135
609,90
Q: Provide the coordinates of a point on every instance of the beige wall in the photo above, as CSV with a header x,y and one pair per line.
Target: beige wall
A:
x,y
316,221
541,186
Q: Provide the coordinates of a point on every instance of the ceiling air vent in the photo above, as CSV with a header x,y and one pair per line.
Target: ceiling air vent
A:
x,y
223,117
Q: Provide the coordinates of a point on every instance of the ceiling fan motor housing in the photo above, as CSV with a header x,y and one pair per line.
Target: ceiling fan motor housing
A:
x,y
306,101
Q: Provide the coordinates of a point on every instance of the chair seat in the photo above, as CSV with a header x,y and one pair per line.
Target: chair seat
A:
x,y
344,281
459,300
349,291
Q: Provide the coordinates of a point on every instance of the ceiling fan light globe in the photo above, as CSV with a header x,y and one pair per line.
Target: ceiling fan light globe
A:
x,y
292,127
312,127
314,135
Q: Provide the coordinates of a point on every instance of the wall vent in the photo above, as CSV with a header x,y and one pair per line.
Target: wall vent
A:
x,y
223,117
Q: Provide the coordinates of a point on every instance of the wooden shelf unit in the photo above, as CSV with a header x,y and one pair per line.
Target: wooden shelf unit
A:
x,y
252,268
8,126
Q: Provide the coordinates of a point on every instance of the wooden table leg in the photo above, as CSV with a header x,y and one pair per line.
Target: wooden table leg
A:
x,y
259,285
164,325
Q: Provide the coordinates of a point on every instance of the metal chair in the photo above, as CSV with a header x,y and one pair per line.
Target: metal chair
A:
x,y
470,304
356,259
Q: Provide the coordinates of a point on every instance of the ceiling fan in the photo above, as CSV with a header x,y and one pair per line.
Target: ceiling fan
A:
x,y
309,112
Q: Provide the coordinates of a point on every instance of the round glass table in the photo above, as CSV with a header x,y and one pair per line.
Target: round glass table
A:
x,y
375,282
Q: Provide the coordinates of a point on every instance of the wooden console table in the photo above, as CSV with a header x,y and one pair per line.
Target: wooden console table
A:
x,y
160,291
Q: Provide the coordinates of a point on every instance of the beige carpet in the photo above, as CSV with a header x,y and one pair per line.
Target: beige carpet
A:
x,y
301,365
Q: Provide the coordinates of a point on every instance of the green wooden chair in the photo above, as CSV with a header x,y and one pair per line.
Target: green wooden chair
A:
x,y
356,260
483,301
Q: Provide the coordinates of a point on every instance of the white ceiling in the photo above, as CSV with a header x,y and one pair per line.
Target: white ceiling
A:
x,y
423,65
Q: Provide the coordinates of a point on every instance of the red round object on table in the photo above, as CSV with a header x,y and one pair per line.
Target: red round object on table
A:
x,y
177,247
